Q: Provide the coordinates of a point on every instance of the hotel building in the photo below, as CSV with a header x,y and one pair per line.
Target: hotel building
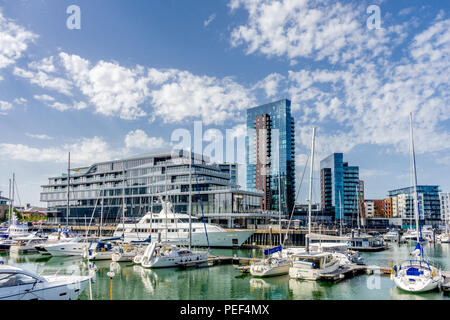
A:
x,y
139,181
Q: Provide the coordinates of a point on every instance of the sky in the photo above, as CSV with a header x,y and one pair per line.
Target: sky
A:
x,y
137,72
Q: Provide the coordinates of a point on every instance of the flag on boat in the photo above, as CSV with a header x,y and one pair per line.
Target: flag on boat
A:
x,y
272,250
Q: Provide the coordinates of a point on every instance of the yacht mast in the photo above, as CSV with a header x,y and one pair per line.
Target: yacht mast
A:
x,y
68,192
413,158
357,205
101,215
124,206
340,214
165,202
310,187
190,199
13,183
279,192
10,204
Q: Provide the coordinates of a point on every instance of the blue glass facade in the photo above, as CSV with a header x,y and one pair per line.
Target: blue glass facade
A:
x,y
278,148
429,203
339,183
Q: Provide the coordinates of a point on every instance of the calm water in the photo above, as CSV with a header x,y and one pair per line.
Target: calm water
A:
x,y
223,282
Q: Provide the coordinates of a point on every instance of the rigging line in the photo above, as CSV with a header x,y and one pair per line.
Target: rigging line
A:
x,y
296,197
17,189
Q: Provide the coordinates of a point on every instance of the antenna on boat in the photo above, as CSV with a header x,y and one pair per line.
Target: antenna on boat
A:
x,y
310,186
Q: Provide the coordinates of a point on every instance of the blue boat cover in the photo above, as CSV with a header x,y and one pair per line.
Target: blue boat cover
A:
x,y
272,250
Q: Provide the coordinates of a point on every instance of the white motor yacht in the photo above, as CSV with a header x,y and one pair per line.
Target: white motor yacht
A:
x,y
18,284
312,265
159,255
174,228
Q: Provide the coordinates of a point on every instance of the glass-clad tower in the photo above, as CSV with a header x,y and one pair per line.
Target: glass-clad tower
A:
x,y
339,186
270,155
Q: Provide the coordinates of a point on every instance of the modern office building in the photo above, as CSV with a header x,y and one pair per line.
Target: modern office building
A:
x,y
139,181
340,188
230,169
270,156
444,198
429,205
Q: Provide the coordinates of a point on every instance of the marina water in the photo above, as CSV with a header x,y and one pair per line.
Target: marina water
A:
x,y
224,282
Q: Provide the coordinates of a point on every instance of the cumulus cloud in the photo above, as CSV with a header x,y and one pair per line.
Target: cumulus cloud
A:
x,y
270,84
14,40
188,96
84,151
111,88
44,80
4,107
138,139
309,29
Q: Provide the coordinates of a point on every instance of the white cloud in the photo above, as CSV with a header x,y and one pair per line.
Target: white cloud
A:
x,y
209,20
188,96
14,40
38,136
45,65
138,139
20,100
44,98
111,88
5,106
270,84
85,151
310,29
44,80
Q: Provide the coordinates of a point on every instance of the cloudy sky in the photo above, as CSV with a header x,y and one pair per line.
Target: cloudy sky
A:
x,y
137,71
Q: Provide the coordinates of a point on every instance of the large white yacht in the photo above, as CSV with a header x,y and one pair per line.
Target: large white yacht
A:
x,y
174,228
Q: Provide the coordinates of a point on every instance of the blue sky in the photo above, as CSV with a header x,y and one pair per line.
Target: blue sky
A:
x,y
137,71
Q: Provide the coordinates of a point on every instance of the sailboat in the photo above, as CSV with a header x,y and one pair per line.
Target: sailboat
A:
x,y
272,266
310,265
416,275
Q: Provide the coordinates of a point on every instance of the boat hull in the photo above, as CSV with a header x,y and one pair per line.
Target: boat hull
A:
x,y
279,270
311,274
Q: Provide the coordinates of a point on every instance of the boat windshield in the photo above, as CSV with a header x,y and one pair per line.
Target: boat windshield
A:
x,y
15,279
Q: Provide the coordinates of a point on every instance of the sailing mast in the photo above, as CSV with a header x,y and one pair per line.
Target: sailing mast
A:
x,y
101,215
68,192
10,204
124,207
416,202
190,199
357,205
279,191
310,188
340,214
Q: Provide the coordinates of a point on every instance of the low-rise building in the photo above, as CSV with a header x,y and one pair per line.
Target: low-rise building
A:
x,y
4,206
